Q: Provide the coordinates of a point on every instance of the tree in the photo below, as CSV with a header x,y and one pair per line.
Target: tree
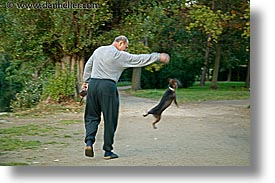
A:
x,y
36,39
212,24
246,35
80,34
140,25
40,43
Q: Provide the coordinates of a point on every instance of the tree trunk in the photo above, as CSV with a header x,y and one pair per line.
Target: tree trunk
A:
x,y
61,65
206,58
216,67
65,62
136,76
203,75
80,70
229,75
208,74
73,62
136,79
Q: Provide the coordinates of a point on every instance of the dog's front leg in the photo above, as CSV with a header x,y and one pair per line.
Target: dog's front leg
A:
x,y
175,101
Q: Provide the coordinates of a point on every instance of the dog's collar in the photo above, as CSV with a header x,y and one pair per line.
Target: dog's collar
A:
x,y
172,89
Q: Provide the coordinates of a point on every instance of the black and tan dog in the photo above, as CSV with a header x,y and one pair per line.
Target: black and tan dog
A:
x,y
166,100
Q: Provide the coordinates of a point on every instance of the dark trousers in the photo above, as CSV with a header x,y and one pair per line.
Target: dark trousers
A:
x,y
102,97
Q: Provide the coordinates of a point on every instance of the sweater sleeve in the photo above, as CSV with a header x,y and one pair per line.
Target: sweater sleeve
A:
x,y
88,69
134,60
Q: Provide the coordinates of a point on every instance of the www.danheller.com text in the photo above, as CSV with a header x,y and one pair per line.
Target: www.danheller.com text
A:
x,y
52,5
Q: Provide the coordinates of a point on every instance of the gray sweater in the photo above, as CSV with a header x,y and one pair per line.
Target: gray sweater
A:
x,y
107,62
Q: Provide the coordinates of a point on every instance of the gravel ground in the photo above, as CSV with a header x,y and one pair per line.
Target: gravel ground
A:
x,y
213,133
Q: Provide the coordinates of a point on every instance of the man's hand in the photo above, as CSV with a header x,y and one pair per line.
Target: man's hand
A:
x,y
84,86
164,58
83,91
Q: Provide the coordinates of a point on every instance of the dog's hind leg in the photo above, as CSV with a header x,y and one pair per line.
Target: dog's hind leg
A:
x,y
156,121
145,114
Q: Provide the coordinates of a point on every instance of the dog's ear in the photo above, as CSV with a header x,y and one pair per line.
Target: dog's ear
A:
x,y
178,82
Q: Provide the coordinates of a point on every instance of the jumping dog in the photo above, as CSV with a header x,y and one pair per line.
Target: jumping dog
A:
x,y
168,97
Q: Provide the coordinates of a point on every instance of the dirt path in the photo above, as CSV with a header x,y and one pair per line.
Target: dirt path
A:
x,y
212,133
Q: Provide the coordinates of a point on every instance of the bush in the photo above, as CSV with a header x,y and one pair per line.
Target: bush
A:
x,y
28,97
59,88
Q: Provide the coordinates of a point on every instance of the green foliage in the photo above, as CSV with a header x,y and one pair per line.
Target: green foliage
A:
x,y
210,22
81,28
28,97
59,88
185,61
246,18
183,68
7,88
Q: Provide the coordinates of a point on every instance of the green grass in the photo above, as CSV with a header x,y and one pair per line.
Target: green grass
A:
x,y
196,93
10,144
67,136
124,83
51,142
42,109
11,138
70,122
29,129
14,164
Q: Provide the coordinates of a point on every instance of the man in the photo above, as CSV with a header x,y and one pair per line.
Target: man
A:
x,y
101,73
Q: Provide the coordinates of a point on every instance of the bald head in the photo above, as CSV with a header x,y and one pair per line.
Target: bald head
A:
x,y
121,38
121,43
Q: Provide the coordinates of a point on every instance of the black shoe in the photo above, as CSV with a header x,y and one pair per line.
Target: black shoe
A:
x,y
89,151
110,155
